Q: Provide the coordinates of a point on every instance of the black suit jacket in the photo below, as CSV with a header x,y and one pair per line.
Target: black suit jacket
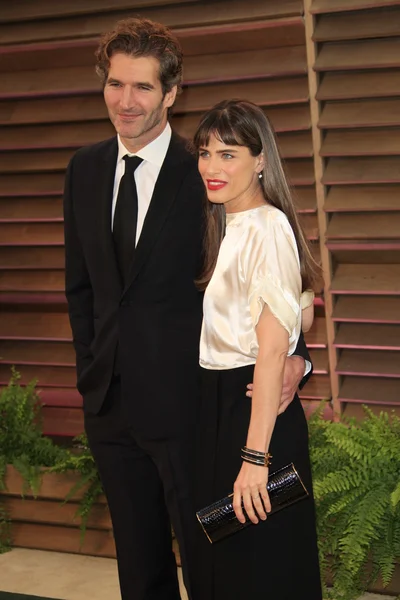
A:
x,y
155,320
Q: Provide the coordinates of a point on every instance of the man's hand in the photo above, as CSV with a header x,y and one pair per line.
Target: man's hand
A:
x,y
293,374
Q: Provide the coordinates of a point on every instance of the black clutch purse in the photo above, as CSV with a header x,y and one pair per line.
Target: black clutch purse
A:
x,y
218,520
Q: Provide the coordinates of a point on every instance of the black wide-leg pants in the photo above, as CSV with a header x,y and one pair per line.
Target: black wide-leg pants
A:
x,y
147,483
278,558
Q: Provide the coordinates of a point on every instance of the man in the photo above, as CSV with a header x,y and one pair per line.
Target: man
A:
x,y
133,240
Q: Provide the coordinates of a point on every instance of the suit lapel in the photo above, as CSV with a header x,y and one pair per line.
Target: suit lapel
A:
x,y
164,196
104,191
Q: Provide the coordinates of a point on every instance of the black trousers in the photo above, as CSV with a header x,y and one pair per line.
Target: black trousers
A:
x,y
148,485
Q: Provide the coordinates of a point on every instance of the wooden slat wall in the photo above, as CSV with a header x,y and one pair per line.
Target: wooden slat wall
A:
x,y
51,104
357,47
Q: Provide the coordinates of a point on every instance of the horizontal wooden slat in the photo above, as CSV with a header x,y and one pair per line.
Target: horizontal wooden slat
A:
x,y
366,279
55,110
34,325
46,376
31,234
75,135
364,226
54,512
50,184
361,170
319,359
20,10
374,54
362,142
53,486
60,398
365,309
369,363
355,410
31,209
62,539
32,281
367,337
50,300
317,388
60,54
64,399
358,25
310,406
216,38
305,200
300,172
298,145
275,62
370,390
26,162
365,113
251,35
283,119
197,98
47,184
363,198
73,80
37,353
327,6
172,16
309,223
62,421
251,64
31,257
365,252
371,84
316,337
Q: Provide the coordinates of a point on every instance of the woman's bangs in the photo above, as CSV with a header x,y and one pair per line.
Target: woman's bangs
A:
x,y
219,126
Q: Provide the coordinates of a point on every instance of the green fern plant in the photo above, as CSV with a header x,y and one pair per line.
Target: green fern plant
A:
x,y
356,471
5,532
81,461
23,445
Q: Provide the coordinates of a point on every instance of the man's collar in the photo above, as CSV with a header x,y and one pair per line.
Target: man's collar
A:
x,y
154,152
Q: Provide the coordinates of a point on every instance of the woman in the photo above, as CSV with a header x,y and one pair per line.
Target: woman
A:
x,y
257,263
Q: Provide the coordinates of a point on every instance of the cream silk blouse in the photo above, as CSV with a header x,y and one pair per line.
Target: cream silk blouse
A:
x,y
258,264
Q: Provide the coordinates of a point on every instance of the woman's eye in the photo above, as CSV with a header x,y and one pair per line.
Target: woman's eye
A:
x,y
203,154
227,155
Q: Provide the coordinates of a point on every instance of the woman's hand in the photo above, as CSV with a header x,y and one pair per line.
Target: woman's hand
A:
x,y
251,485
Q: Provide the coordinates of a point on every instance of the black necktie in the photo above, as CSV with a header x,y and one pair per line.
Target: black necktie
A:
x,y
125,216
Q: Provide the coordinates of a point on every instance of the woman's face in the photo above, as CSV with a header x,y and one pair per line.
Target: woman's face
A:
x,y
230,174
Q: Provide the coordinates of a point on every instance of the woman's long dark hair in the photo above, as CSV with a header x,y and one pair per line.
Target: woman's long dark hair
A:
x,y
242,123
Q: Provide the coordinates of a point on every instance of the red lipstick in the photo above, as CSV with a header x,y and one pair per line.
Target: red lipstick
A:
x,y
215,184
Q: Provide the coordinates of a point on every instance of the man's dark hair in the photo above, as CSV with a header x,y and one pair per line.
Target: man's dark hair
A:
x,y
138,37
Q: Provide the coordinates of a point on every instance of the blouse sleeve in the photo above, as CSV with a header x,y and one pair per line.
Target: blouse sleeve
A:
x,y
307,298
274,273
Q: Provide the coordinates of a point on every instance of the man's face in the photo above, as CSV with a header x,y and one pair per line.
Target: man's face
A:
x,y
134,99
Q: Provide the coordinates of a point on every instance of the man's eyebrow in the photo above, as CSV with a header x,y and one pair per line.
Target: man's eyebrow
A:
x,y
138,84
144,84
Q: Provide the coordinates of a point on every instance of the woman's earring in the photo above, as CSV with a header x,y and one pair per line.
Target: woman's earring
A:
x,y
260,175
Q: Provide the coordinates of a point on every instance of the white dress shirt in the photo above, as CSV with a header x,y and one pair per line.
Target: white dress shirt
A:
x,y
145,175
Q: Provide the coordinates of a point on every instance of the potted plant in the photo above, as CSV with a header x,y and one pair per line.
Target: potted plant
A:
x,y
356,470
46,491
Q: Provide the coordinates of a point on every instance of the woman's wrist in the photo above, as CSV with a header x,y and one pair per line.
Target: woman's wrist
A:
x,y
256,457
